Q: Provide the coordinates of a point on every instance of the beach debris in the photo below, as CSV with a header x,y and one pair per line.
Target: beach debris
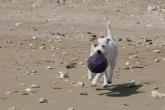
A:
x,y
31,90
17,24
84,93
78,83
133,56
70,108
71,65
34,38
156,51
63,75
156,60
42,100
157,94
23,93
15,108
131,83
8,93
41,47
50,67
35,86
81,63
137,66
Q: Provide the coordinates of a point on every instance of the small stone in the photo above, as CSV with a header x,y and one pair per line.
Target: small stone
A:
x,y
155,88
64,53
156,51
42,100
34,71
80,84
23,93
42,47
8,93
120,39
157,94
126,67
34,38
133,56
50,67
84,93
137,66
35,86
127,63
131,84
63,75
156,60
70,108
9,41
31,90
15,108
163,59
30,44
17,24
81,63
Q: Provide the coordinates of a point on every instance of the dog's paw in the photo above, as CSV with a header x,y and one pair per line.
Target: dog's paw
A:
x,y
93,84
105,85
109,82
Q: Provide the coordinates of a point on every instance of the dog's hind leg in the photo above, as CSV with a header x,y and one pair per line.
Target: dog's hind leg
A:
x,y
111,71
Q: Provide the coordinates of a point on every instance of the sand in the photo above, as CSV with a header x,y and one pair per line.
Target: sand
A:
x,y
41,39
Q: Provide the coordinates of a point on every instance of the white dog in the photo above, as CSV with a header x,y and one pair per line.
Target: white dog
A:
x,y
109,48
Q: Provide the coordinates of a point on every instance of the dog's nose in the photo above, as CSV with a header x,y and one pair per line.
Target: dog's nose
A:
x,y
99,51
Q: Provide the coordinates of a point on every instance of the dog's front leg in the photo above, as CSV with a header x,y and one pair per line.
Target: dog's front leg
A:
x,y
90,75
96,78
105,79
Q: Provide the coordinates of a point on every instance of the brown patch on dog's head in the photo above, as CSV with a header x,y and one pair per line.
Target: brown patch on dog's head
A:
x,y
94,40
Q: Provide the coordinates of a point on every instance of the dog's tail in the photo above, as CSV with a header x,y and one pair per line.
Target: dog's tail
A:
x,y
110,36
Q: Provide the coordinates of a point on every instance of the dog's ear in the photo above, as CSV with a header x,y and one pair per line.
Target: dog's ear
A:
x,y
108,40
93,38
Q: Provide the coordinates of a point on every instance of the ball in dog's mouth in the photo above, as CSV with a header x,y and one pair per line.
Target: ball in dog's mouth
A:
x,y
97,63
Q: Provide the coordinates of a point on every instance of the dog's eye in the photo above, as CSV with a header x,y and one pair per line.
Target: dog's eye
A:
x,y
103,46
95,45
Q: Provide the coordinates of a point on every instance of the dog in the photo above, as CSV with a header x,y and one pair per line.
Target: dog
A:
x,y
109,48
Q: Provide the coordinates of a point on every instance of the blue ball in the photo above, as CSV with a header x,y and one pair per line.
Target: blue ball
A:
x,y
97,63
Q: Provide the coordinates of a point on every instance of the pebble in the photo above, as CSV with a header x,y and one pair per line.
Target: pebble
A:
x,y
157,60
23,93
8,93
127,63
42,47
70,108
81,63
31,90
157,94
15,108
126,67
42,100
80,84
17,24
84,93
63,75
131,84
137,66
156,51
34,38
35,86
133,56
50,67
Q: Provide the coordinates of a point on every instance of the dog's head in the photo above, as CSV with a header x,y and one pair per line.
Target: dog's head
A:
x,y
99,44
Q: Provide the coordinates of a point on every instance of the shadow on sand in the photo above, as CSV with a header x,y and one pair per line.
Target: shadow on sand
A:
x,y
120,90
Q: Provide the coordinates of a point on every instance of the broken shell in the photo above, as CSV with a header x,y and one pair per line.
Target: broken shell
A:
x,y
42,100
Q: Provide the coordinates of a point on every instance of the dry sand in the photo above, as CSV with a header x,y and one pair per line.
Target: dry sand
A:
x,y
40,38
